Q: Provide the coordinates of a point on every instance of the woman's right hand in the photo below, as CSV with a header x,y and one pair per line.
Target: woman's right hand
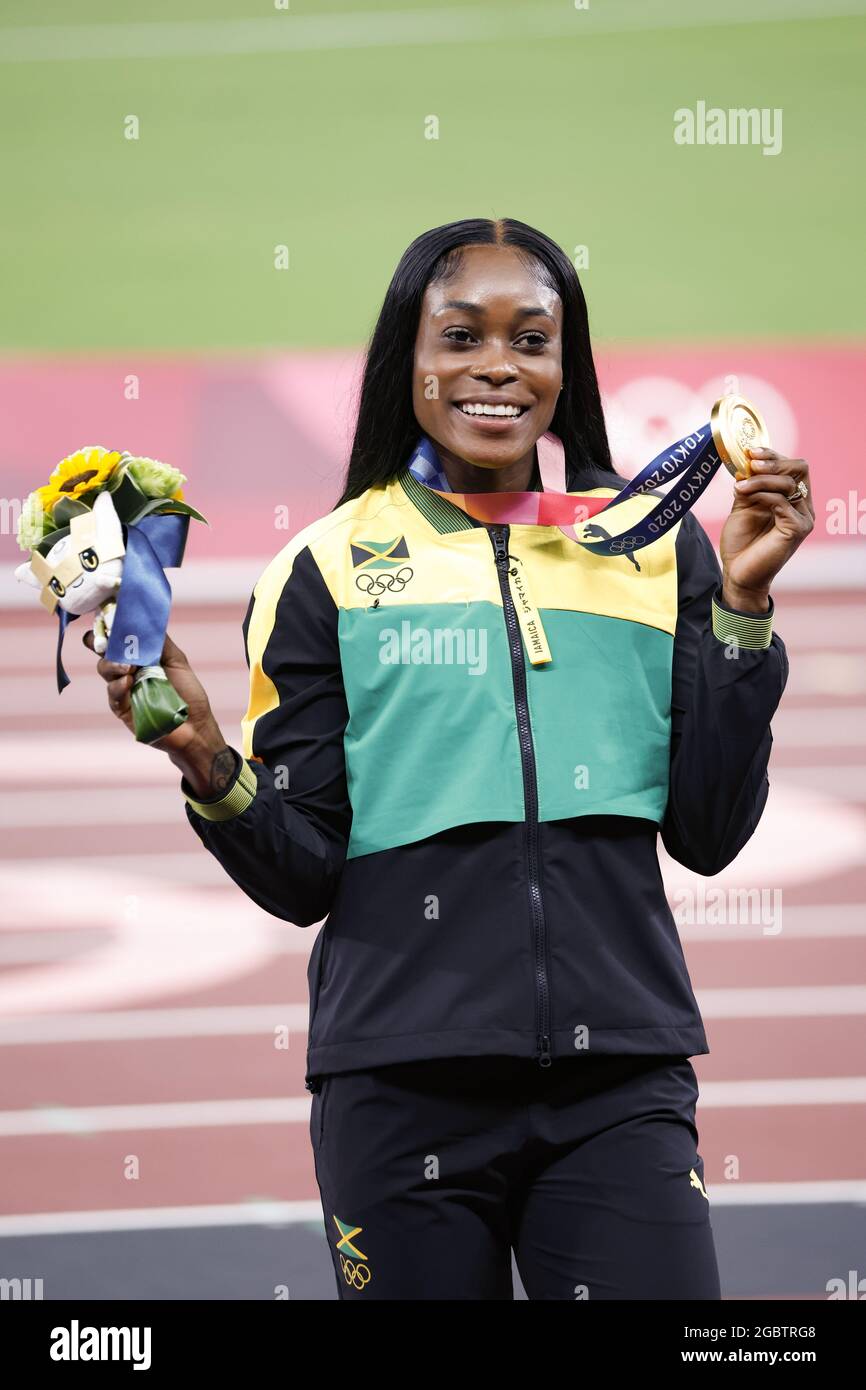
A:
x,y
197,747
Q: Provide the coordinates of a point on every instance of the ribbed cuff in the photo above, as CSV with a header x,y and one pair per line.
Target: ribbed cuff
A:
x,y
239,796
753,631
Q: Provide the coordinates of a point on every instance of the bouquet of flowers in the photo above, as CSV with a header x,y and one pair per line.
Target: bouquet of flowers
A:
x,y
101,534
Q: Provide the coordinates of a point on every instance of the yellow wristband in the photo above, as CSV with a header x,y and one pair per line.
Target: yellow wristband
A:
x,y
753,631
234,803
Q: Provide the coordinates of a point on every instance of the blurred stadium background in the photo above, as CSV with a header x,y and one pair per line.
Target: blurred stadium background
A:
x,y
153,1139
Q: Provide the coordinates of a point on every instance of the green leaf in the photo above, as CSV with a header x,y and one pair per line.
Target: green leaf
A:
x,y
127,497
68,507
164,506
51,539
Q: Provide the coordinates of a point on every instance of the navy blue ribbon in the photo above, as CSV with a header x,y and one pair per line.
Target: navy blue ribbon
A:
x,y
65,619
153,545
696,454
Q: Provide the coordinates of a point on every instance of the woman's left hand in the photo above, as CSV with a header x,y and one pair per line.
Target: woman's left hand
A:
x,y
764,528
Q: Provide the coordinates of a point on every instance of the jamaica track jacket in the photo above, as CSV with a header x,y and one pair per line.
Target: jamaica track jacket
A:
x,y
480,831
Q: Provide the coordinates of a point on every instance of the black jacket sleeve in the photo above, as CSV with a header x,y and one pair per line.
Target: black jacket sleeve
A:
x,y
724,695
281,830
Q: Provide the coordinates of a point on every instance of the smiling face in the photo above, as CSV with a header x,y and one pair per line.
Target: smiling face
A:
x,y
489,345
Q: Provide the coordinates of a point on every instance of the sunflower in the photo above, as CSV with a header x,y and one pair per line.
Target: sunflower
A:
x,y
87,470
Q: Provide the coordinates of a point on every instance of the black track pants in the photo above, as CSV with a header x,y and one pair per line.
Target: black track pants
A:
x,y
432,1172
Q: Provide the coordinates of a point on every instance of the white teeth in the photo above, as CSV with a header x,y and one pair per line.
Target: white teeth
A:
x,y
512,411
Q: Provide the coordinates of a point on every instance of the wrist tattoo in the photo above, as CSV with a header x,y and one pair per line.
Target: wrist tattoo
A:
x,y
222,770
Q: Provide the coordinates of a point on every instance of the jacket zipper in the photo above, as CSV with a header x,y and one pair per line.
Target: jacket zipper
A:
x,y
499,538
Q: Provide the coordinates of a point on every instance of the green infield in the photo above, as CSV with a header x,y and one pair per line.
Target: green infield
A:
x,y
308,128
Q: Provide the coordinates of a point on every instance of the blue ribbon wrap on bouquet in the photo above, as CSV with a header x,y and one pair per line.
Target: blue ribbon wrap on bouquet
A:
x,y
153,545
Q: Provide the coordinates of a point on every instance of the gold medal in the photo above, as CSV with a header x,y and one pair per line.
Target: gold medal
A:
x,y
737,426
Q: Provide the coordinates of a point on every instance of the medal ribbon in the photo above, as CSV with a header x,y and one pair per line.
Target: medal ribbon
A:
x,y
695,455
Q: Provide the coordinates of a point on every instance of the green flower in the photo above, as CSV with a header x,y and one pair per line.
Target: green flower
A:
x,y
35,520
154,478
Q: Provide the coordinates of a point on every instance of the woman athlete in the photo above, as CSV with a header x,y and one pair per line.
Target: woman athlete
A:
x,y
463,740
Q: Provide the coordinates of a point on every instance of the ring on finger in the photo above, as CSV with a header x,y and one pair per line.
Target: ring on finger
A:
x,y
800,493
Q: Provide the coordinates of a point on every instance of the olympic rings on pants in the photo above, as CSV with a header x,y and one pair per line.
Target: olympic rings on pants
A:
x,y
357,1275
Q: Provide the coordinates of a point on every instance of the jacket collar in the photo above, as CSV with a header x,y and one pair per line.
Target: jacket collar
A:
x,y
441,514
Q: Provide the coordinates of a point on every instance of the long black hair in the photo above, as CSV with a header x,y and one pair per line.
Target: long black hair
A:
x,y
386,429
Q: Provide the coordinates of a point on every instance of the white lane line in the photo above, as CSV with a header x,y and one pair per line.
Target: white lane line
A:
x,y
129,873
28,689
31,692
92,760
215,583
50,1223
36,947
377,29
817,1001
156,800
281,1110
211,583
228,714
231,1021
800,733
824,673
823,726
105,807
29,649
817,923
783,1001
158,941
163,804
192,1114
817,672
845,782
35,695
31,945
804,836
795,1194
198,868
834,625
807,1090
188,868
102,759
160,1218
821,633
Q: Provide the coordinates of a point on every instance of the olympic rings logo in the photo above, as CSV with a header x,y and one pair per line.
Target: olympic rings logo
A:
x,y
395,583
357,1275
622,543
